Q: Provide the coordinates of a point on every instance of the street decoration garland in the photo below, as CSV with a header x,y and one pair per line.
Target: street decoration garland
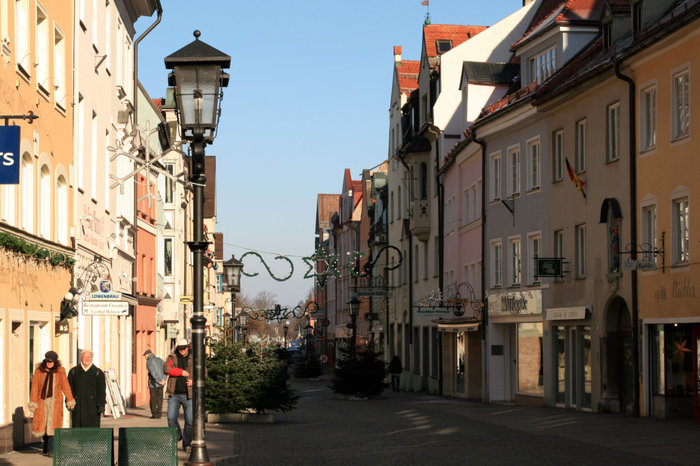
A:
x,y
329,260
33,250
280,257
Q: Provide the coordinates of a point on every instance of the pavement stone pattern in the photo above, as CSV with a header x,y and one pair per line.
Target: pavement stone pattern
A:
x,y
417,429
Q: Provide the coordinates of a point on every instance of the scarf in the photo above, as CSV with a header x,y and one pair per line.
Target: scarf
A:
x,y
47,389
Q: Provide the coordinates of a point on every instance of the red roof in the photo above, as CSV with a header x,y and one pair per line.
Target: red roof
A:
x,y
456,33
554,12
408,75
158,103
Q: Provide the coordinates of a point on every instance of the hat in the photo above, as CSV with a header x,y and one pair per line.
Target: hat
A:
x,y
51,356
182,342
147,352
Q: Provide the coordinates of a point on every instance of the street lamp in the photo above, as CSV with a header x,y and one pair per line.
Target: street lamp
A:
x,y
198,77
232,275
354,305
286,329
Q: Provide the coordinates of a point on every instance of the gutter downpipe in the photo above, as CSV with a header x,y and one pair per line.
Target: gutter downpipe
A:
x,y
441,248
484,313
159,8
633,228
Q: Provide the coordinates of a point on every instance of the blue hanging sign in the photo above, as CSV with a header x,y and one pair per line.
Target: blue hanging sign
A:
x,y
9,154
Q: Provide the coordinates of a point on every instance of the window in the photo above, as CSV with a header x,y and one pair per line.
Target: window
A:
x,y
22,37
533,164
415,263
513,171
534,247
436,256
580,251
169,184
443,46
681,231
8,203
108,35
607,34
647,117
648,233
80,159
425,261
580,146
515,260
42,50
4,26
62,210
45,202
613,132
81,13
496,264
681,104
423,180
637,21
398,199
466,208
557,155
542,66
59,67
495,177
27,194
614,234
93,155
167,257
95,23
558,244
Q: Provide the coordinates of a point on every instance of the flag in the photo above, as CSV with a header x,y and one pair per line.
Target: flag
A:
x,y
574,178
425,3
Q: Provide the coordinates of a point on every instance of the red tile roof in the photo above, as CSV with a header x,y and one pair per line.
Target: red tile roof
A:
x,y
408,75
509,100
553,12
158,103
456,33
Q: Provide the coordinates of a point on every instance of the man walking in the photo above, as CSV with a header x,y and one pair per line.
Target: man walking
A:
x,y
178,366
87,382
156,380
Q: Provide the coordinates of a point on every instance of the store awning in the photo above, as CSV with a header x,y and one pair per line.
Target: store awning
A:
x,y
457,325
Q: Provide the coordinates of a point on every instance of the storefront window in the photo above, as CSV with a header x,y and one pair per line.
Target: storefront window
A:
x,y
530,358
587,373
560,345
672,359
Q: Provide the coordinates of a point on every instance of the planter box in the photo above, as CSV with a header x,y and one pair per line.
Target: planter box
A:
x,y
265,418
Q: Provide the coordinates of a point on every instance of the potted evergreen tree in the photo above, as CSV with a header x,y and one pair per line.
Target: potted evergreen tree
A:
x,y
244,384
359,376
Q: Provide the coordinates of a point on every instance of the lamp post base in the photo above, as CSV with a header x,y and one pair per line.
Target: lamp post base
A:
x,y
198,456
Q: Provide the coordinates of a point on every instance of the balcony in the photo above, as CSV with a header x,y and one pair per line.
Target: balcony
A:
x,y
420,219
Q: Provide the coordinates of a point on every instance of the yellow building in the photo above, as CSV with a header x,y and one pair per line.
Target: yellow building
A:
x,y
35,214
667,169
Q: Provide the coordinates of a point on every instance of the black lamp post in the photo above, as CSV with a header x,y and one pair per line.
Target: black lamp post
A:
x,y
286,329
354,305
198,77
232,275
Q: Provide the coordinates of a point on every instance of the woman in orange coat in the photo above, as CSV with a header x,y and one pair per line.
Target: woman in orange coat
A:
x,y
49,386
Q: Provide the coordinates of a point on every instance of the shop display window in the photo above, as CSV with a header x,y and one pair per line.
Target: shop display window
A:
x,y
530,375
672,359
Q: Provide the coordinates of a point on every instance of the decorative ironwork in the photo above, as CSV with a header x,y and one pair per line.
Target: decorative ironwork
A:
x,y
281,257
369,265
30,117
647,250
95,272
456,297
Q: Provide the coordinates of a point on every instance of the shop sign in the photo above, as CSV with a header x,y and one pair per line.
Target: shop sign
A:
x,y
515,303
105,308
431,312
9,154
566,313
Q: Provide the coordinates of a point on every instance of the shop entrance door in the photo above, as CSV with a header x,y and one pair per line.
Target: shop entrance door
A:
x,y
696,372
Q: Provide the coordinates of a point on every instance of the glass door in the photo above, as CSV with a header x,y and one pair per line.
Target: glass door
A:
x,y
560,370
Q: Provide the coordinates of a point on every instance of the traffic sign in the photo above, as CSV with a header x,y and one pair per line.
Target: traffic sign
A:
x,y
323,358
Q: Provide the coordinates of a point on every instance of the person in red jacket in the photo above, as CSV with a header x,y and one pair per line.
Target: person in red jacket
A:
x,y
178,367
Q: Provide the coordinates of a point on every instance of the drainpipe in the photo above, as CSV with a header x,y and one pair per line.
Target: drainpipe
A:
x,y
441,248
136,57
633,228
484,313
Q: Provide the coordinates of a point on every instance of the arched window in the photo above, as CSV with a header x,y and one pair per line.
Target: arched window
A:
x,y
45,202
9,196
62,210
27,195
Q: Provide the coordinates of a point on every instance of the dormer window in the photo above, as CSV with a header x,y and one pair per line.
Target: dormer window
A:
x,y
443,46
607,34
543,65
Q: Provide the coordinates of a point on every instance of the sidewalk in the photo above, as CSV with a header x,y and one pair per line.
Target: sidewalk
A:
x,y
220,441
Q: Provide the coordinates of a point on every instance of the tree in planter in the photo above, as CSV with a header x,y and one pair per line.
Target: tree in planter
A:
x,y
362,376
308,367
239,380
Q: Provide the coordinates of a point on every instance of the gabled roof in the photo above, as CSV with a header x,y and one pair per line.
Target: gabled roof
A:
x,y
455,33
407,71
326,204
557,12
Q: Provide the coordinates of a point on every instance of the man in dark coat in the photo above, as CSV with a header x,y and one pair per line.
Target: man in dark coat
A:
x,y
87,382
178,367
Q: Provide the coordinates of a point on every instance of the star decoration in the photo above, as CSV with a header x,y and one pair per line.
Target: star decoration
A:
x,y
681,348
320,257
145,161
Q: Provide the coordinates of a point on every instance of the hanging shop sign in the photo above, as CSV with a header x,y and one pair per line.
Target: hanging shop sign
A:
x,y
431,311
9,154
105,308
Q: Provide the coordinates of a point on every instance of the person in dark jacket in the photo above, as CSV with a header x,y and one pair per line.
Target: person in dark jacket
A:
x,y
87,382
395,369
178,367
156,380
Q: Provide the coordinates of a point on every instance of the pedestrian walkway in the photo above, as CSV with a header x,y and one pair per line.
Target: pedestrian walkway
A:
x,y
220,445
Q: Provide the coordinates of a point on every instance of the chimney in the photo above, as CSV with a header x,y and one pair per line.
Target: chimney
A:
x,y
397,54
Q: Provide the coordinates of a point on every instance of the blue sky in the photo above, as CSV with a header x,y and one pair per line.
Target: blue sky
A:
x,y
308,97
